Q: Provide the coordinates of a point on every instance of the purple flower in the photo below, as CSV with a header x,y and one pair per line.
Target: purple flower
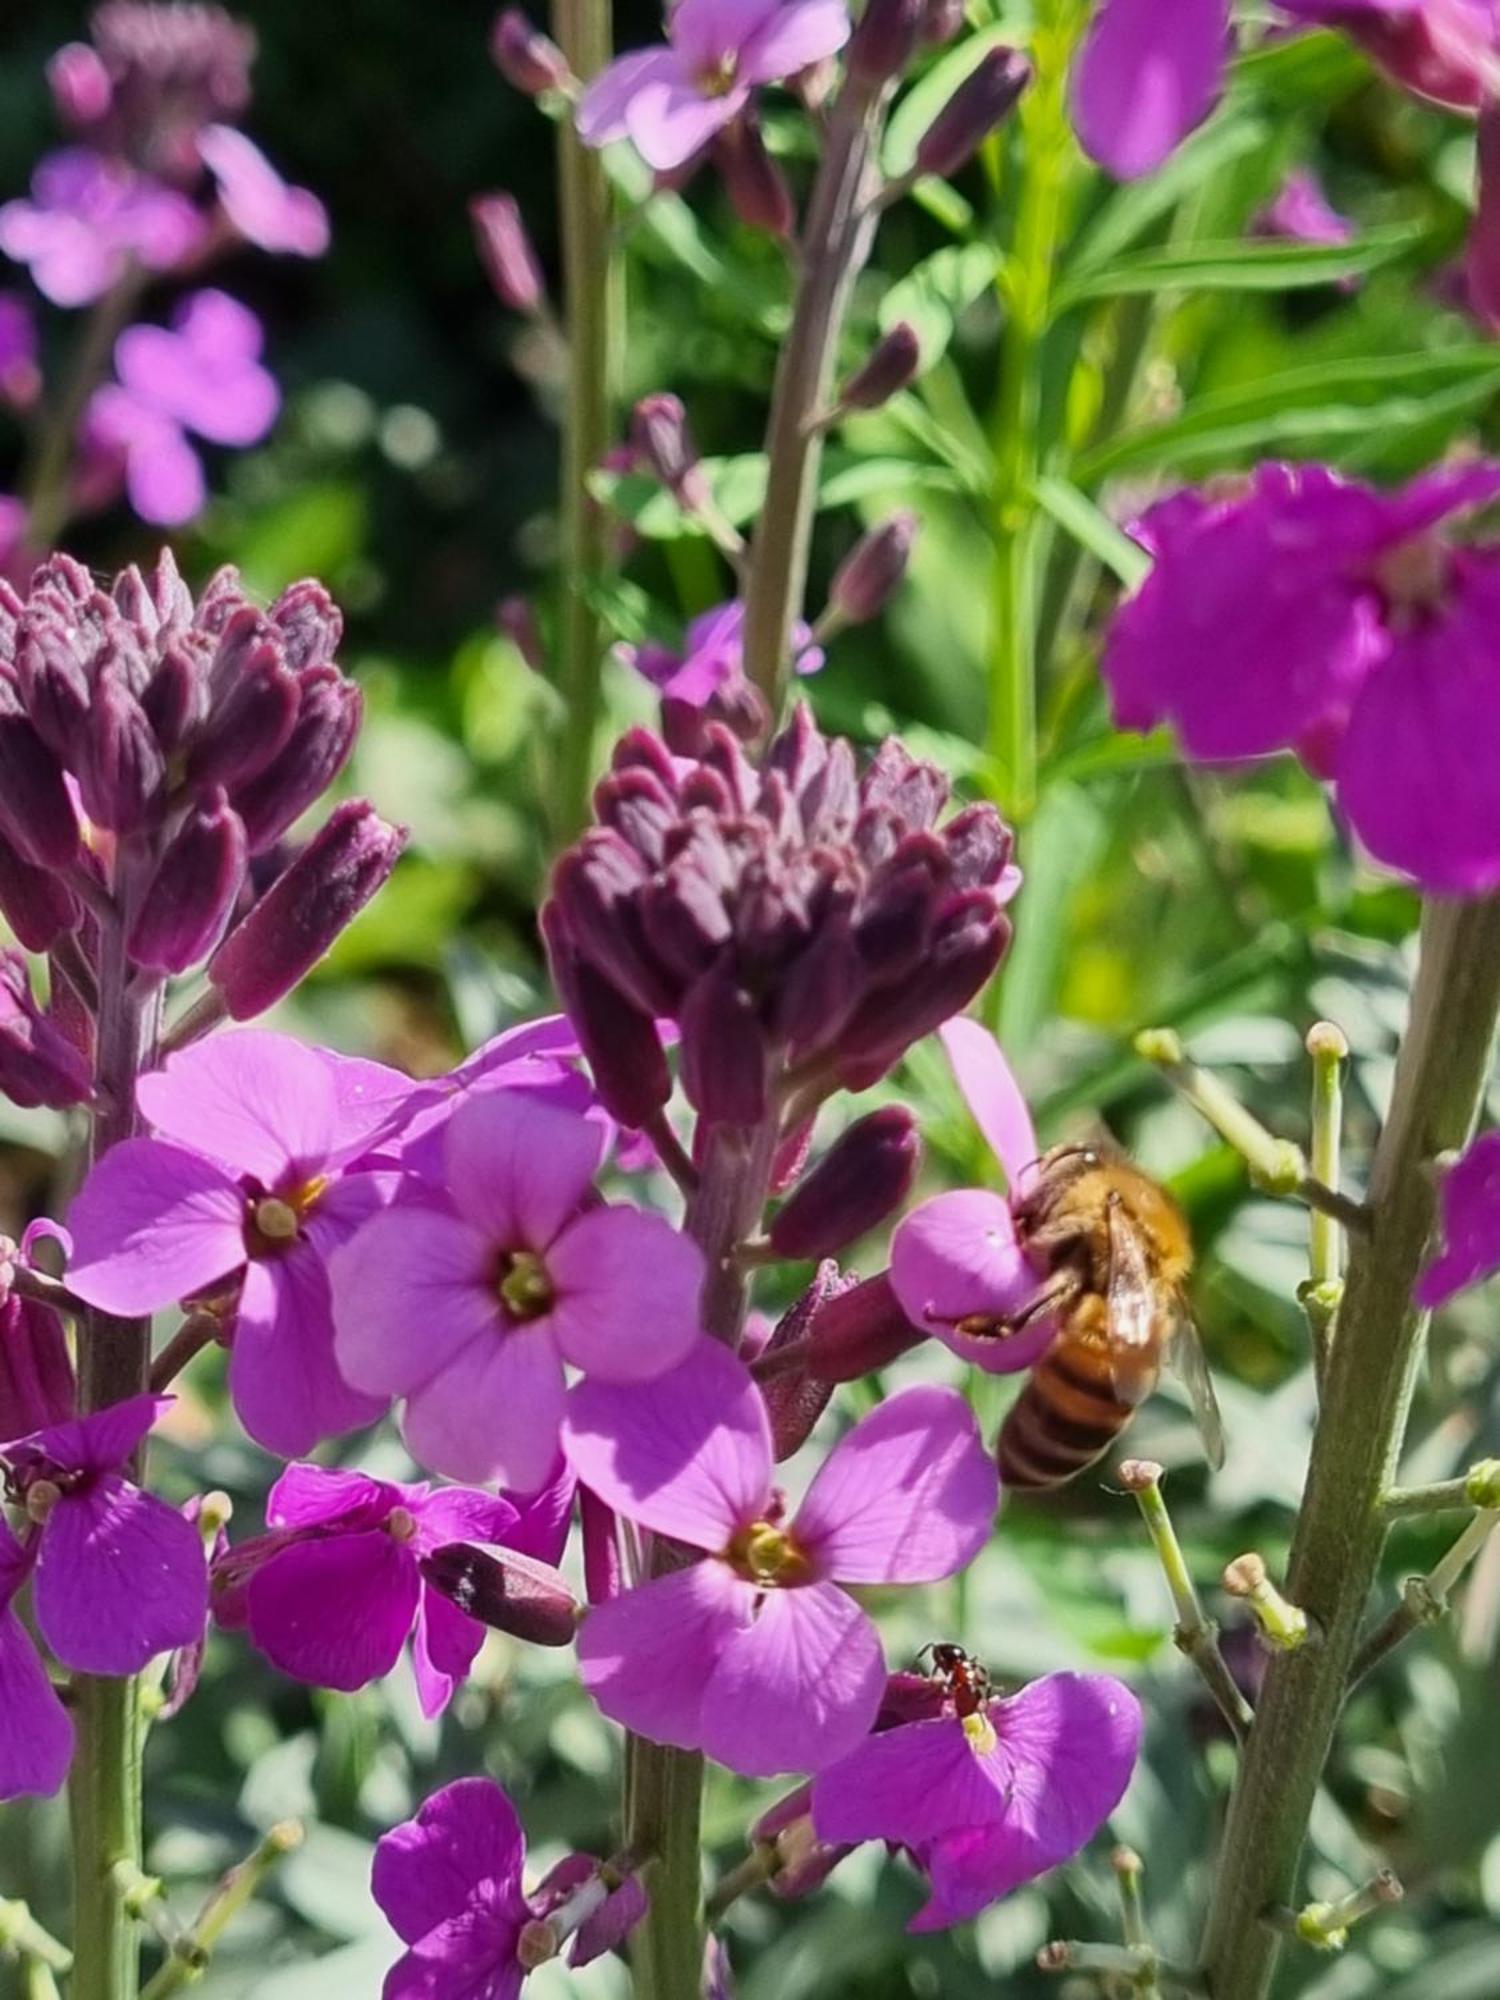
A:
x,y
334,1589
985,1801
712,657
1149,71
244,1193
1301,212
958,1257
120,1575
36,1735
202,374
1471,1224
150,79
264,208
467,1299
87,218
37,1386
1305,611
669,102
1443,50
757,1654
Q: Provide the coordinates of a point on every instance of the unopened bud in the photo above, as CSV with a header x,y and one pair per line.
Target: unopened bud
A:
x,y
662,441
859,1331
942,20
1482,1484
756,186
619,1040
505,250
724,1059
525,57
80,85
118,762
864,1175
868,576
305,909
966,945
893,362
516,618
884,39
37,1388
255,704
39,1065
36,903
507,1591
36,811
312,756
795,1398
1284,1627
981,102
606,1927
190,898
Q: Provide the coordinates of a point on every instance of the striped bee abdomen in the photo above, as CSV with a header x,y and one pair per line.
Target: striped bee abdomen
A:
x,y
1067,1416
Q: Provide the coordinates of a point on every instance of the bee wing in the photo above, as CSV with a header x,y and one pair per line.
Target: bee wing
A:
x,y
1137,1317
1190,1365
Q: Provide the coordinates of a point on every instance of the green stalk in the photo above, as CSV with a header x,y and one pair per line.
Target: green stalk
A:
x,y
593,302
1048,150
1440,1079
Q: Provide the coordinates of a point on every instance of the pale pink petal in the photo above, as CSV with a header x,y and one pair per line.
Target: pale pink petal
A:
x,y
993,1096
120,1577
628,1286
464,1845
287,1388
797,1688
956,1258
164,476
706,33
444,1646
412,1290
908,1496
793,37
335,1613
647,1655
518,1167
492,1414
604,105
153,1223
1149,72
687,1455
668,121
262,1103
36,1736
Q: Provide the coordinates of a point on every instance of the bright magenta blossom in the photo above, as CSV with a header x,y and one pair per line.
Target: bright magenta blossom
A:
x,y
1471,1224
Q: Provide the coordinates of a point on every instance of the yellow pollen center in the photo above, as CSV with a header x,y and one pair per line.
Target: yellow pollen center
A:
x,y
41,1497
276,1219
717,79
524,1286
767,1556
980,1732
1414,574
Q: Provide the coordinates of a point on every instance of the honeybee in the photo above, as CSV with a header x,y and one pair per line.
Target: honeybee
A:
x,y
1116,1251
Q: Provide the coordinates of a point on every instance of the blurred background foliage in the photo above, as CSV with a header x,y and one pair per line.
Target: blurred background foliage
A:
x,y
414,470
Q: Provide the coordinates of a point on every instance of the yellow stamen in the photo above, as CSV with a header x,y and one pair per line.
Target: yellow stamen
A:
x,y
980,1732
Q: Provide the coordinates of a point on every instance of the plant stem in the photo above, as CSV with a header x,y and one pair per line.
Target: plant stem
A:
x,y
836,238
664,1787
46,487
593,287
188,1957
1425,1598
1478,1487
114,1356
1440,1077
1048,150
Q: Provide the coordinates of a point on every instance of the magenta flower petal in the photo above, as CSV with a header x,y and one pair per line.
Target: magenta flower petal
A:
x,y
153,1223
605,104
544,1518
36,1735
1150,71
791,37
457,1514
120,1577
796,1688
163,474
907,1784
990,1090
286,1384
957,1256
335,1613
687,1455
464,1844
411,1293
908,1496
493,1414
1471,1224
264,1104
309,1496
203,370
102,1442
444,1646
647,1655
669,119
628,1285
517,1168
706,33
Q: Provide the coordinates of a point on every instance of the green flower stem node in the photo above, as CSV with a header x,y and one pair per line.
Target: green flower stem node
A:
x,y
1283,1627
21,1936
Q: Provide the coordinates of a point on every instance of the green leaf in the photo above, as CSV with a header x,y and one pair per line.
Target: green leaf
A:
x,y
935,292
1135,205
739,486
1091,529
1237,266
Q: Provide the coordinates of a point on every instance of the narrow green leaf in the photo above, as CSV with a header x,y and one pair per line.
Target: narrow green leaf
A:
x,y
1092,529
935,292
1130,211
1237,266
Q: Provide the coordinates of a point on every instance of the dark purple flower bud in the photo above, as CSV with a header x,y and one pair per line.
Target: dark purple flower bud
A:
x,y
967,945
624,1051
725,1061
884,39
38,1063
80,85
516,618
313,755
867,577
663,444
609,1926
37,1388
505,250
309,623
595,886
893,362
184,911
175,697
982,101
756,186
118,763
858,1331
53,684
253,717
603,1570
507,1591
36,813
37,903
794,1398
297,920
865,1174
942,21
525,57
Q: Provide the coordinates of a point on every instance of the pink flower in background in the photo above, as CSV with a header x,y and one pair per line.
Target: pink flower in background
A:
x,y
36,1735
1302,213
712,658
669,102
201,375
1443,50
120,1575
334,1589
20,374
1471,1224
758,1655
245,1192
988,1800
264,208
1306,611
468,1299
87,218
1149,72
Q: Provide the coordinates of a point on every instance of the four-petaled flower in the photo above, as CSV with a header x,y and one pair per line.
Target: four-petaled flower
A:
x,y
757,1654
88,218
669,102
